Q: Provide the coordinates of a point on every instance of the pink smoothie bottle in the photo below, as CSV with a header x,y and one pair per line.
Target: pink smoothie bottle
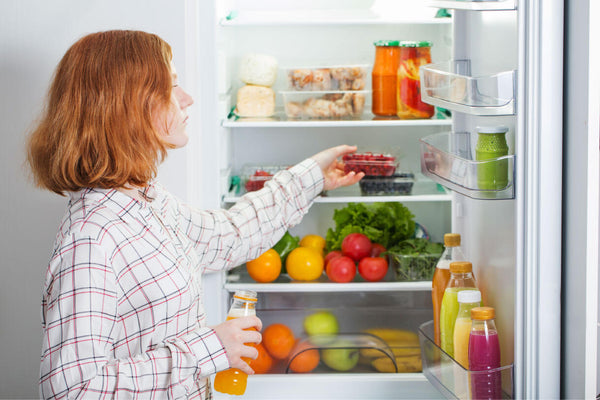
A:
x,y
484,355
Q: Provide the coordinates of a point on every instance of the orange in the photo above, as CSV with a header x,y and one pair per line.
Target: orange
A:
x,y
314,241
278,340
263,363
304,264
266,268
304,357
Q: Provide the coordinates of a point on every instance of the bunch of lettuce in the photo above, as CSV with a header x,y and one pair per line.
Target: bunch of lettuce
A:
x,y
383,223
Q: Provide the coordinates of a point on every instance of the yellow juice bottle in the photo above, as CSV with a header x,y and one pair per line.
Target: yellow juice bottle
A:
x,y
467,300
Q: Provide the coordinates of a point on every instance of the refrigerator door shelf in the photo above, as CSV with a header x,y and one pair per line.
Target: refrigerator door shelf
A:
x,y
451,378
447,159
480,5
451,85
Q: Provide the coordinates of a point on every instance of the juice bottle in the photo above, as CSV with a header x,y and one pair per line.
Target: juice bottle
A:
x,y
491,144
233,380
441,276
461,278
484,355
467,300
384,77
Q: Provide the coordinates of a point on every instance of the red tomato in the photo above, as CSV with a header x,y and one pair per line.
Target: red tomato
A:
x,y
341,269
356,246
377,249
331,255
373,269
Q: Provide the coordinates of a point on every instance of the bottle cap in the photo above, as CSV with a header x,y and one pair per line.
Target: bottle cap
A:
x,y
492,129
461,267
452,239
410,43
483,313
247,295
387,43
469,296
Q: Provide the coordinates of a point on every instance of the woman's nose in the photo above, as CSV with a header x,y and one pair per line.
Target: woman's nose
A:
x,y
184,99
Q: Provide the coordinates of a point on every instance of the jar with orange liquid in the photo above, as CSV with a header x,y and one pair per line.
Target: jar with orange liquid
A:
x,y
234,381
384,76
412,56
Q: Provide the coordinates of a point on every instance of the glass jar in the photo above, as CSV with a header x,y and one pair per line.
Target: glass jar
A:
x,y
409,104
491,144
384,76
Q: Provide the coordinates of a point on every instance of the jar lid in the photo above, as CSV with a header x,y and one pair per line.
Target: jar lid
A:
x,y
247,295
483,313
492,129
469,296
452,239
410,43
461,267
386,43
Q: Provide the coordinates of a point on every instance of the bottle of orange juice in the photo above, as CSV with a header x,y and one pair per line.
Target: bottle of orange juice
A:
x,y
233,380
441,276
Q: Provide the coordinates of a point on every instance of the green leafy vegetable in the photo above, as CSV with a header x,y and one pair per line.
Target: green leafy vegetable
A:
x,y
414,259
383,223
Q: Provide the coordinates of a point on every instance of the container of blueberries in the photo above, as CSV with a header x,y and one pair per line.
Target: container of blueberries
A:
x,y
400,183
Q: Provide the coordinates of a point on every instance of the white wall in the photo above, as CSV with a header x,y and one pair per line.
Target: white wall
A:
x,y
34,34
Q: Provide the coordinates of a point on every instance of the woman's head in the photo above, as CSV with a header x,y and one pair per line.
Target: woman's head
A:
x,y
102,126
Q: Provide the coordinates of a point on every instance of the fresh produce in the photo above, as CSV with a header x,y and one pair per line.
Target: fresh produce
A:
x,y
408,337
266,268
343,357
313,241
405,364
397,184
341,269
285,245
304,358
257,180
404,345
385,223
373,269
331,255
356,246
377,250
304,264
372,164
321,323
414,259
279,340
263,363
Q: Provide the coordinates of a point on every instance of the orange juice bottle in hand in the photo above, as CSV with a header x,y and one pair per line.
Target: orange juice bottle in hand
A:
x,y
233,380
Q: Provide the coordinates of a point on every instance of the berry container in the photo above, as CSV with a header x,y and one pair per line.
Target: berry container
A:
x,y
372,164
254,177
397,184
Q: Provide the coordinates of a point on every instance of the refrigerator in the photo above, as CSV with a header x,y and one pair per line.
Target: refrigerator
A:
x,y
533,244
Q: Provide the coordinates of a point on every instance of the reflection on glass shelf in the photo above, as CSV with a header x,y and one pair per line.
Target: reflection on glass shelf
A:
x,y
279,120
451,85
449,377
238,278
447,159
423,190
477,5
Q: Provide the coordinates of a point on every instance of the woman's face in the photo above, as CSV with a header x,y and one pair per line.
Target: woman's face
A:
x,y
173,123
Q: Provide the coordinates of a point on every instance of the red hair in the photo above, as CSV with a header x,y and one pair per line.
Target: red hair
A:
x,y
97,129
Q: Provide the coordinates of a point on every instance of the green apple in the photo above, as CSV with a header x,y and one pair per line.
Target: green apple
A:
x,y
341,358
321,323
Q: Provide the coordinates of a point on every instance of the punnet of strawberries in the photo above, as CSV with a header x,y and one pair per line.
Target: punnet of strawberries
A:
x,y
372,164
257,180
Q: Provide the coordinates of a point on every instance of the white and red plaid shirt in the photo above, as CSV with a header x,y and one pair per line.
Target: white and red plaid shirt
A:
x,y
122,309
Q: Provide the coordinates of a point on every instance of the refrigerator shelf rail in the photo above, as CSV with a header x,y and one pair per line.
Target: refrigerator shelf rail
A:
x,y
486,5
451,378
447,158
451,85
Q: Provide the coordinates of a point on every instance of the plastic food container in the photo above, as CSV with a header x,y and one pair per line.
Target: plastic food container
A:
x,y
418,267
336,77
397,184
372,164
255,176
324,104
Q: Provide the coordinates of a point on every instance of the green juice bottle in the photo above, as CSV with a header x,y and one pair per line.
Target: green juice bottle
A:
x,y
461,278
491,144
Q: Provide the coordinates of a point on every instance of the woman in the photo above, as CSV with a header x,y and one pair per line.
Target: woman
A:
x,y
122,309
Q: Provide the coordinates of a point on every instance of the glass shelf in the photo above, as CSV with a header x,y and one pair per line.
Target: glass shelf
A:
x,y
451,85
446,158
452,379
485,5
279,120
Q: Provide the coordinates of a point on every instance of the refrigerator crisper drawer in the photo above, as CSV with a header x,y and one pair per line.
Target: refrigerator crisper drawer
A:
x,y
450,378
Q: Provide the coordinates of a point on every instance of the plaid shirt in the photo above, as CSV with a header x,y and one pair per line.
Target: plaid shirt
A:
x,y
122,310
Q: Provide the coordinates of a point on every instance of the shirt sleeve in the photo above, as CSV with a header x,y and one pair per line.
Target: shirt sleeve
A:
x,y
226,238
80,323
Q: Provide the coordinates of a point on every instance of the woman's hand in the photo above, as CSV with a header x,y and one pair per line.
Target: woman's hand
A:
x,y
333,169
233,335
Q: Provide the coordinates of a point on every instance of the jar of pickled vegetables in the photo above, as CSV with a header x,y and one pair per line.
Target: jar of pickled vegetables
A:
x,y
412,56
384,76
